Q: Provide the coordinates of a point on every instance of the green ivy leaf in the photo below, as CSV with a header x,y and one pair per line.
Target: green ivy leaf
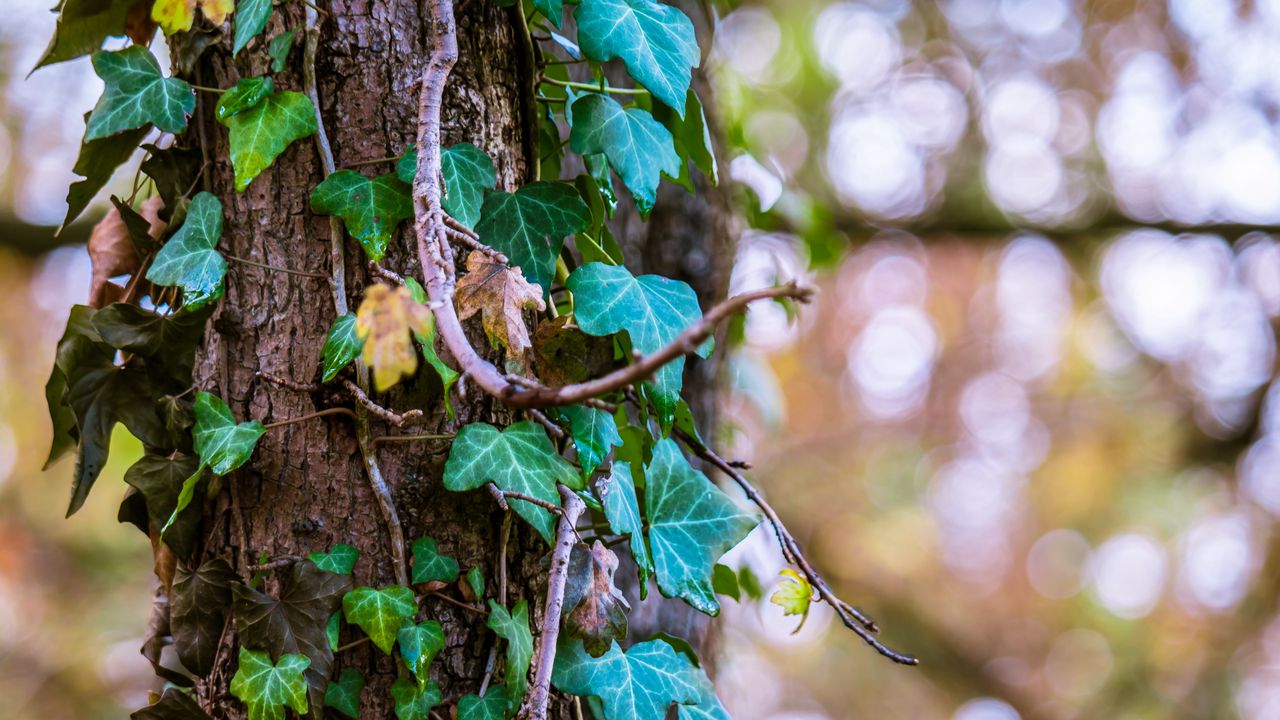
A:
x,y
221,444
332,629
427,343
429,565
173,170
617,492
173,705
380,612
371,209
341,346
258,135
419,645
652,309
724,581
493,706
656,42
343,694
692,139
167,341
530,225
340,560
246,93
475,580
189,259
638,147
643,682
691,524
137,94
82,27
552,10
279,48
251,18
159,479
467,172
518,459
514,628
296,622
96,163
594,433
199,600
414,702
266,688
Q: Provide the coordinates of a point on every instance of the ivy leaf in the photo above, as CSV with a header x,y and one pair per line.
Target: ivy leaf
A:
x,y
530,225
652,309
251,19
638,147
167,341
514,628
656,42
296,622
340,560
617,492
194,45
173,705
189,259
341,346
414,702
518,459
501,295
429,565
475,581
691,524
380,612
493,706
594,433
258,135
279,47
222,444
371,209
199,600
724,581
266,688
467,172
563,354
427,343
692,139
178,15
552,10
96,163
596,609
793,595
82,27
246,93
419,645
332,629
159,479
173,170
383,323
136,93
343,694
643,682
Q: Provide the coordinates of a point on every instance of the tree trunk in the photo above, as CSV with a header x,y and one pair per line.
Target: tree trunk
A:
x,y
305,488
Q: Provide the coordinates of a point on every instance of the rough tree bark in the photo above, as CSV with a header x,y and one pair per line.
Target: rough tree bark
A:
x,y
305,488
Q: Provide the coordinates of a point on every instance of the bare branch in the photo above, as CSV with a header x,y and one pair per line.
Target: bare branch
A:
x,y
397,419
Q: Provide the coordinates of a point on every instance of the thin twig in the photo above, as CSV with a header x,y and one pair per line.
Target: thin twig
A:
x,y
264,266
535,704
503,537
376,268
374,161
411,438
545,505
475,244
453,224
284,561
397,419
353,643
594,88
310,416
546,422
459,603
287,383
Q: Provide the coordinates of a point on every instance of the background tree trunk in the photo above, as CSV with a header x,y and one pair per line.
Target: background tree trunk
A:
x,y
305,488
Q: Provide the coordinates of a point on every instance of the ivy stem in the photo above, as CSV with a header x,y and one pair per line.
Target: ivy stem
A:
x,y
545,99
309,416
594,88
264,266
458,603
207,89
353,643
503,536
381,439
317,8
374,161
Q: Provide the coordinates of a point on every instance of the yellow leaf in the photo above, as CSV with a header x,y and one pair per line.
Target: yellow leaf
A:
x,y
176,15
386,322
501,294
793,595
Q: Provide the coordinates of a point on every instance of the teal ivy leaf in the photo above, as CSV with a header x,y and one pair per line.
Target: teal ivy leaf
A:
x,y
617,492
414,702
475,580
136,93
189,259
419,645
246,93
514,628
340,560
96,163
173,705
652,309
159,479
82,27
655,41
643,682
341,346
552,10
518,459
380,612
266,688
467,171
429,565
692,140
567,45
222,444
638,147
691,524
594,433
258,135
371,209
343,694
199,600
493,706
530,225
279,48
251,18
427,343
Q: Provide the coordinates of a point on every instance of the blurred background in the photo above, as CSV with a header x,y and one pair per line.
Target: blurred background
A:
x,y
1029,425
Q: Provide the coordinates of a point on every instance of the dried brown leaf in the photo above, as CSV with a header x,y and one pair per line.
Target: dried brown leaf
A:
x,y
599,615
138,24
112,252
501,295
